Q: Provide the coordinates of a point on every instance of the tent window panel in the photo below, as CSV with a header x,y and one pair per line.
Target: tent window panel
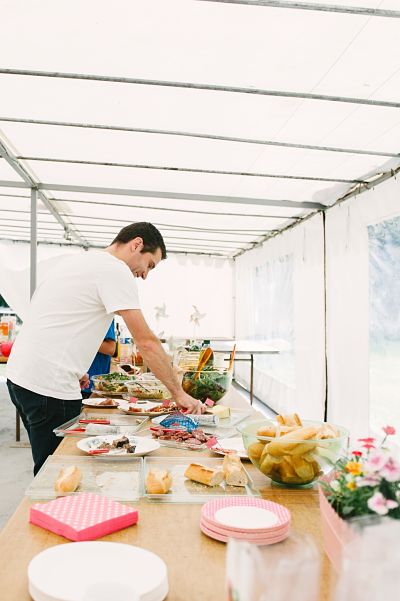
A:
x,y
384,326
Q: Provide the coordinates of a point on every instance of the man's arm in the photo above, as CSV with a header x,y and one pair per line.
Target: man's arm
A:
x,y
157,359
107,347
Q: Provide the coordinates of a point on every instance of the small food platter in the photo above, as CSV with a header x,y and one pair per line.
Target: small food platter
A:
x,y
197,440
115,479
102,447
184,490
146,408
100,401
95,424
225,445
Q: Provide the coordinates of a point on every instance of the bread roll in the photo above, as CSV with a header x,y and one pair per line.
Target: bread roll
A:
x,y
282,430
233,470
68,479
327,431
288,442
289,420
269,431
158,482
204,475
255,450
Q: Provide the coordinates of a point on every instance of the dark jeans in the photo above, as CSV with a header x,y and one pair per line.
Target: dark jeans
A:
x,y
40,415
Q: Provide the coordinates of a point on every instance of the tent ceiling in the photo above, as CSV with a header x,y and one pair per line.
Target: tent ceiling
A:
x,y
220,121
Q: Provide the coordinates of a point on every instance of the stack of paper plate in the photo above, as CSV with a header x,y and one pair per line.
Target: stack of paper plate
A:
x,y
245,518
97,570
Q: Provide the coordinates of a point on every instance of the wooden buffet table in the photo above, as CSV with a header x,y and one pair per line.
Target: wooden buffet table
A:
x,y
196,563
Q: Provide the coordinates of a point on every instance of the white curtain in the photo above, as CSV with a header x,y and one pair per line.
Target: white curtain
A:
x,y
15,270
280,295
349,253
180,282
184,281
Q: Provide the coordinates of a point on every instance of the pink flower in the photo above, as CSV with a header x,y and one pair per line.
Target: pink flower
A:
x,y
371,480
389,430
367,440
376,461
380,505
391,470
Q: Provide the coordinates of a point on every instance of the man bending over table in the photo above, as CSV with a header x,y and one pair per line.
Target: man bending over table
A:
x,y
69,314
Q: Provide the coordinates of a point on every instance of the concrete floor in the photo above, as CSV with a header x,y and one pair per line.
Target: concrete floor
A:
x,y
16,465
16,462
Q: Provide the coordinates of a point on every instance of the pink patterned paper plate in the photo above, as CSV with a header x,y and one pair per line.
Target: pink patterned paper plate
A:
x,y
224,539
250,532
246,514
246,535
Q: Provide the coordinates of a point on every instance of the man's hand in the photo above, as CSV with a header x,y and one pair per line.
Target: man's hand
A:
x,y
84,381
191,405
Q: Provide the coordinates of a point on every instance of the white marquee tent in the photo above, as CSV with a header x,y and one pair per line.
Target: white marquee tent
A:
x,y
261,137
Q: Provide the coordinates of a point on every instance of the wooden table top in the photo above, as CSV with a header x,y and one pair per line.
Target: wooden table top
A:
x,y
196,563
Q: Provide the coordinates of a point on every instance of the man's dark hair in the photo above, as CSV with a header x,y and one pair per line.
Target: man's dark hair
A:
x,y
152,239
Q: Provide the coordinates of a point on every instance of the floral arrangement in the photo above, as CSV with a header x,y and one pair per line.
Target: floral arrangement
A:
x,y
366,482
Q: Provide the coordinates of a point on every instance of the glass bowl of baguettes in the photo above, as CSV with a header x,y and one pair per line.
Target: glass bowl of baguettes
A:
x,y
293,452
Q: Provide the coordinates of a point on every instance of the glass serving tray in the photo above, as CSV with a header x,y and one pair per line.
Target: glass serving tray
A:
x,y
120,424
184,490
121,481
236,416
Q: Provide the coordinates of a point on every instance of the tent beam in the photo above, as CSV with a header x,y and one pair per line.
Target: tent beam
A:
x,y
200,86
181,196
190,170
132,206
330,8
75,244
30,182
187,134
33,243
167,226
173,195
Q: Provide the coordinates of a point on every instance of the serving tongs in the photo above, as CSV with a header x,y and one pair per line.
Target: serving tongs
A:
x,y
203,362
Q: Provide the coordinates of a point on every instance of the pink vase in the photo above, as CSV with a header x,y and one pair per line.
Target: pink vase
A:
x,y
335,532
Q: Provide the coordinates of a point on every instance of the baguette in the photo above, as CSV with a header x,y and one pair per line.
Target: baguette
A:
x,y
288,442
204,475
233,470
68,479
289,420
158,482
269,431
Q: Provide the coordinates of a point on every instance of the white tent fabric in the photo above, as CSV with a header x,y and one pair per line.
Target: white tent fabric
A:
x,y
306,394
178,282
348,303
257,109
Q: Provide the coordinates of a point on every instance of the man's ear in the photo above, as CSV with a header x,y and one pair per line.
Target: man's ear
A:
x,y
137,244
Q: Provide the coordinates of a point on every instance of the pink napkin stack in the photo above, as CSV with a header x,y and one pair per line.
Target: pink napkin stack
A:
x,y
245,518
85,516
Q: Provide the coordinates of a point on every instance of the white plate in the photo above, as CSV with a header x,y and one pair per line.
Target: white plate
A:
x,y
93,402
111,571
231,444
143,446
248,518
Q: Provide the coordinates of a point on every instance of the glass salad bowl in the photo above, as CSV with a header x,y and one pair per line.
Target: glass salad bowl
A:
x,y
207,384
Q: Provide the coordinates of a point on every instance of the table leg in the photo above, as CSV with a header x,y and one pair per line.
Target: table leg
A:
x,y
17,426
251,377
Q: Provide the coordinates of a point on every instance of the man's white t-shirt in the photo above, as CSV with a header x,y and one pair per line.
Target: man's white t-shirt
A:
x,y
68,317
